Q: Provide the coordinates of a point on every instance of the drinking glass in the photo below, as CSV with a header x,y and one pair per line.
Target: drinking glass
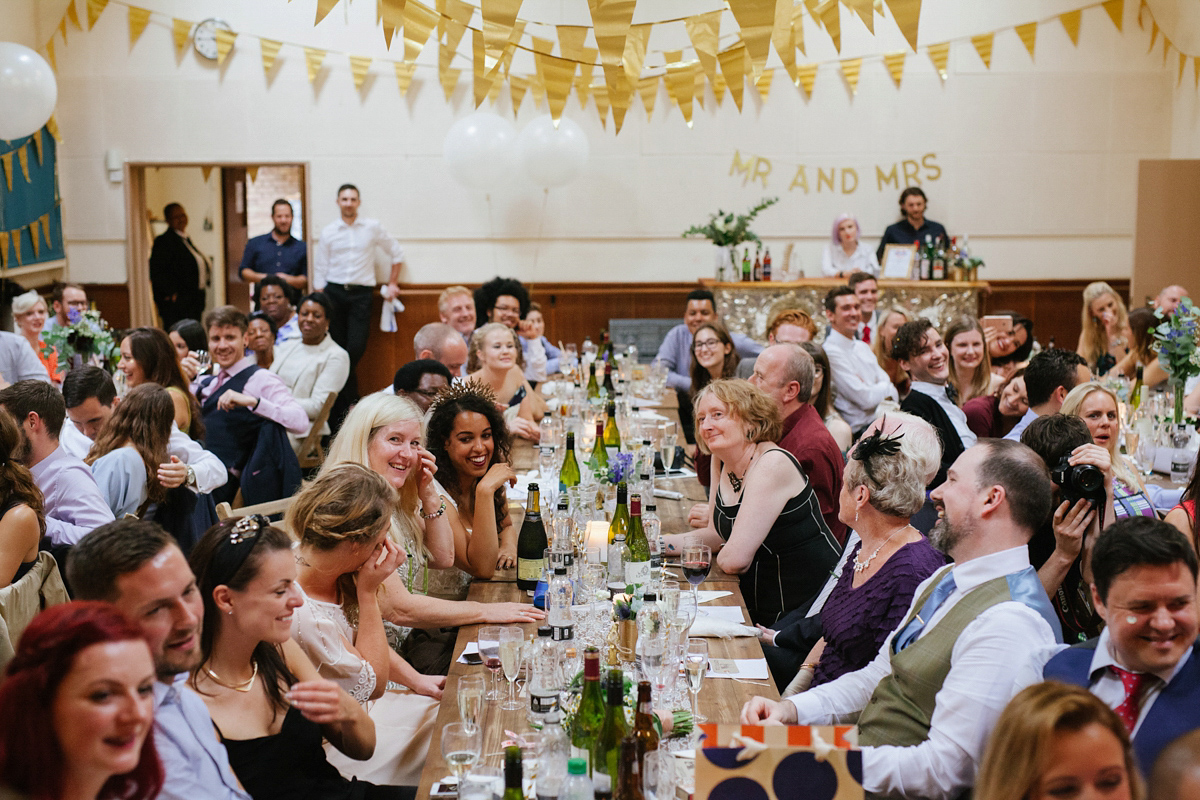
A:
x,y
658,775
696,665
488,778
470,699
547,463
489,650
512,639
696,560
461,747
669,602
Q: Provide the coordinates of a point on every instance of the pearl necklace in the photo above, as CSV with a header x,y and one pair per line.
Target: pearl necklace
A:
x,y
237,687
863,566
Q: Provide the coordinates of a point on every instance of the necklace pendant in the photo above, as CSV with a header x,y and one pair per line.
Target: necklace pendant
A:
x,y
734,481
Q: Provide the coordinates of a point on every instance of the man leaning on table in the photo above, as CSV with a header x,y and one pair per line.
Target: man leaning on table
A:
x,y
927,703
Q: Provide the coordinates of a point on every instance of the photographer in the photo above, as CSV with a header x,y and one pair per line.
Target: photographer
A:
x,y
1061,549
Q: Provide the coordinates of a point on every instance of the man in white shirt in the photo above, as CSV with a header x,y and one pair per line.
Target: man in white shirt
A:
x,y
866,289
927,703
1051,374
344,268
860,382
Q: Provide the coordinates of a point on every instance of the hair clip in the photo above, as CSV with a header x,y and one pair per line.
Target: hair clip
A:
x,y
875,445
247,528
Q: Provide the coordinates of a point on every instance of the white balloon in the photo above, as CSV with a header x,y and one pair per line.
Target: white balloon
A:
x,y
553,156
28,91
479,150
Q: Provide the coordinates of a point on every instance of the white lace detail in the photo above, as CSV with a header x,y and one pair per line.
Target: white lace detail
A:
x,y
322,630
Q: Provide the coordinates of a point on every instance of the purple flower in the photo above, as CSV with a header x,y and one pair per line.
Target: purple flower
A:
x,y
74,315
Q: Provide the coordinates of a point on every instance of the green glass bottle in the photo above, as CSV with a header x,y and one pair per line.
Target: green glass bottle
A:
x,y
513,774
608,381
598,463
612,434
637,569
607,751
589,719
620,518
607,352
593,388
569,476
531,543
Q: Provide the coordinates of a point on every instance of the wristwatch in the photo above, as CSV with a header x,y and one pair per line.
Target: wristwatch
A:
x,y
191,478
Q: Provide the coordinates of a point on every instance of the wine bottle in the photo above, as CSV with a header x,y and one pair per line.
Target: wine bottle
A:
x,y
607,750
629,772
1135,395
593,388
620,519
589,719
531,543
612,433
757,265
607,351
767,265
569,476
643,724
513,775
598,463
637,569
608,380
746,274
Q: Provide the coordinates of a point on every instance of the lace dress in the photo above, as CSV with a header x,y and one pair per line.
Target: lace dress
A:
x,y
403,720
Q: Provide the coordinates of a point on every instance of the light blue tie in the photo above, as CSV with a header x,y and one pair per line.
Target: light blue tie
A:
x,y
917,624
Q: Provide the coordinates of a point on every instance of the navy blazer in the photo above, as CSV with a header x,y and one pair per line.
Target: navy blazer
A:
x,y
1176,710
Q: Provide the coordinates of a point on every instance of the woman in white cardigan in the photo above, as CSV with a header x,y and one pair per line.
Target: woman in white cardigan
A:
x,y
313,367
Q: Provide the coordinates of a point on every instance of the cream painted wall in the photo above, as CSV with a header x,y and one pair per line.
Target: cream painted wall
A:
x,y
1038,159
201,199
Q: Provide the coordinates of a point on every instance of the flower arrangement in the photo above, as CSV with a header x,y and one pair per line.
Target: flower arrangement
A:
x,y
620,468
86,338
728,230
674,724
1175,343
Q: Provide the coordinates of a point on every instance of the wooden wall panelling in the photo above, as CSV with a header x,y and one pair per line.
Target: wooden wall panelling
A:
x,y
1167,235
1054,306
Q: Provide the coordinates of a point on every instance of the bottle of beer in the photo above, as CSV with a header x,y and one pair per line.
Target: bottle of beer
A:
x,y
513,775
531,543
643,724
620,519
612,433
629,772
637,570
569,476
599,460
746,269
593,388
758,264
767,265
589,719
607,751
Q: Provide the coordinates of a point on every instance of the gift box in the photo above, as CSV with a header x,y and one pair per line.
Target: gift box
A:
x,y
798,762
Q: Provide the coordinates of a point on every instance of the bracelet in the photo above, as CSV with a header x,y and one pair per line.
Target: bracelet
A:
x,y
256,402
809,667
441,510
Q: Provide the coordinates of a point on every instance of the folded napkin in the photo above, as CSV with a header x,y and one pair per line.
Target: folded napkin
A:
x,y
715,628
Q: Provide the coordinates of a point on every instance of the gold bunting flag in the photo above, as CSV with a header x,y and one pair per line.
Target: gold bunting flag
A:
x,y
391,16
252,173
494,92
704,31
583,84
648,89
358,68
16,243
611,20
50,54
894,61
481,85
180,28
719,88
138,17
701,82
1153,36
1196,72
1182,64
557,75
94,9
404,74
224,44
73,15
763,84
37,145
323,9
939,54
206,172
618,118
571,39
23,160
7,165
983,46
538,91
907,14
681,86
499,16
419,20
540,45
33,235
635,50
733,67
1028,35
270,49
784,38
3,250
62,28
45,220
1116,11
312,59
830,14
52,127
449,80
1070,23
850,70
600,97
1166,48
865,10
672,56
517,87
756,18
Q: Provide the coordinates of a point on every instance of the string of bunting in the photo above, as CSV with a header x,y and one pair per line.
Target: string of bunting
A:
x,y
39,231
621,48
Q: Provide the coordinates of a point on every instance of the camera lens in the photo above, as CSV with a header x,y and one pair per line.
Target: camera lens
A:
x,y
1088,478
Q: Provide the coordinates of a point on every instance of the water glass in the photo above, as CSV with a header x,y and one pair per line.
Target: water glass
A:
x,y
483,782
462,746
470,699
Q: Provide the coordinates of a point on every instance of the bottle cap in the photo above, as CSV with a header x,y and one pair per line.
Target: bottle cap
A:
x,y
560,570
533,487
651,596
577,766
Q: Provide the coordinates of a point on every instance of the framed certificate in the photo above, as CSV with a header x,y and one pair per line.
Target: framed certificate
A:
x,y
898,261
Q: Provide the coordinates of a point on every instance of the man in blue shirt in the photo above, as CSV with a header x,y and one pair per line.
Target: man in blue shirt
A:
x,y
136,566
913,227
277,253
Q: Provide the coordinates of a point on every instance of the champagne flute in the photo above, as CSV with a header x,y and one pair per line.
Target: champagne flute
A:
x,y
470,699
667,451
696,560
489,649
512,639
696,665
462,745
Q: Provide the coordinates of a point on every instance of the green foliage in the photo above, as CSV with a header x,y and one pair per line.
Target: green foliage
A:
x,y
87,336
729,230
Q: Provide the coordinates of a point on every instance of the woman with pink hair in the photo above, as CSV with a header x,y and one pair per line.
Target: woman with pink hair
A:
x,y
845,254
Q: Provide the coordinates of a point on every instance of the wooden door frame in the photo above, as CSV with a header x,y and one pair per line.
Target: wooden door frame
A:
x,y
138,240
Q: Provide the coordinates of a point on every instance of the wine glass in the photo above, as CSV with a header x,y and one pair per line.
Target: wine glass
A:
x,y
512,639
489,649
696,665
462,745
696,561
470,699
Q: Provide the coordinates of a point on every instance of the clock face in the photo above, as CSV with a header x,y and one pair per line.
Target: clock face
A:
x,y
204,38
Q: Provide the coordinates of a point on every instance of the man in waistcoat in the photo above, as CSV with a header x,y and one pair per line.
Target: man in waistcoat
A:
x,y
927,703
1143,664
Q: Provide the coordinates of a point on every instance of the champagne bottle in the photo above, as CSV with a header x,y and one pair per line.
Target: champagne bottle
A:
x,y
612,434
568,476
608,381
607,750
589,719
620,519
513,775
593,388
531,543
637,569
643,724
598,463
629,772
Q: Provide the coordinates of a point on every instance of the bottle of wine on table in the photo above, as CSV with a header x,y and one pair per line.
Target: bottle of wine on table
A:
x,y
531,543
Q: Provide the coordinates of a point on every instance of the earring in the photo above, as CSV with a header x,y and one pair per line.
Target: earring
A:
x,y
230,611
856,515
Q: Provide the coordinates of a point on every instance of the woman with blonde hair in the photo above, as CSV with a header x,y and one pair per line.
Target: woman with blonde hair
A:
x,y
970,366
342,520
22,520
130,448
29,315
890,320
1105,336
494,359
1054,741
1097,406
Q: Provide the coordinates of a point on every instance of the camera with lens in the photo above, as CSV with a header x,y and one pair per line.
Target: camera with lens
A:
x,y
1081,481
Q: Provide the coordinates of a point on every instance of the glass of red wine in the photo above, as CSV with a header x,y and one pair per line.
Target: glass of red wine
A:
x,y
489,650
696,561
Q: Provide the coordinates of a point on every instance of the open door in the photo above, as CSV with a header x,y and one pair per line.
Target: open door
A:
x,y
233,195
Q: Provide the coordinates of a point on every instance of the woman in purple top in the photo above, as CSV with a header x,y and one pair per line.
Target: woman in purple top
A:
x,y
883,485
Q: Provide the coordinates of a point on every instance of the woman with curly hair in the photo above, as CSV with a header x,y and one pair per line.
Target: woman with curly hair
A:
x,y
22,523
1105,337
128,451
471,446
147,356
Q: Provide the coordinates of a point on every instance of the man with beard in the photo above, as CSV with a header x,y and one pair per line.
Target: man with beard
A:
x,y
137,566
276,253
927,703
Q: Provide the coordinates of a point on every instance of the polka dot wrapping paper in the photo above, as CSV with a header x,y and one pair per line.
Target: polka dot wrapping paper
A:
x,y
798,762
